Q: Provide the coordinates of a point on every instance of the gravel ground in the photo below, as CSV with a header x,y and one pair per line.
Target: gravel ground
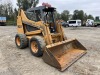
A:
x,y
14,61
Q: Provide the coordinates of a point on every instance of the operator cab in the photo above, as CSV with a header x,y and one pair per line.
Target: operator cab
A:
x,y
43,13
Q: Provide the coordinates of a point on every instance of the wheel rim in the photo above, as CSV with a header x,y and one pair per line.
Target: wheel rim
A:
x,y
18,41
34,47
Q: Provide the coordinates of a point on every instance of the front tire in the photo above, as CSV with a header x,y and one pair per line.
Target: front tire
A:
x,y
37,45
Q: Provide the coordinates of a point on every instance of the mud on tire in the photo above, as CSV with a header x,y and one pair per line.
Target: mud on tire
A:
x,y
21,41
40,45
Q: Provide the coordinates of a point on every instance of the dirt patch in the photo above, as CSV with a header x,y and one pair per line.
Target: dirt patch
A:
x,y
14,61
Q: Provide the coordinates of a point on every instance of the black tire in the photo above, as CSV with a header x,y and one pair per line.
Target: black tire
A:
x,y
40,45
67,25
23,41
64,25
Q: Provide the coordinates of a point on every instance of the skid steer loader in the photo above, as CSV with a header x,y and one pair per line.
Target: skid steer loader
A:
x,y
38,29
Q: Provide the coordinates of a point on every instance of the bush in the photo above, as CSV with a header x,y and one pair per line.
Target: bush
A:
x,y
11,23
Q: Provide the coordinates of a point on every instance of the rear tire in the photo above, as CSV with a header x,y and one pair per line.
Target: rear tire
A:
x,y
21,41
37,45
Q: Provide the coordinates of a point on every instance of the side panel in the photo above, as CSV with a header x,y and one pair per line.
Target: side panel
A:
x,y
19,25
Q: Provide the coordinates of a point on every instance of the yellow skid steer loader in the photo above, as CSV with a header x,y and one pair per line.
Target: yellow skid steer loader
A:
x,y
38,29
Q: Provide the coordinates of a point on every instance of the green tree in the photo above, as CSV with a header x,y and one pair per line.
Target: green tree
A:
x,y
34,2
15,13
57,15
25,4
90,17
6,10
65,15
15,16
10,13
75,15
85,17
78,14
81,15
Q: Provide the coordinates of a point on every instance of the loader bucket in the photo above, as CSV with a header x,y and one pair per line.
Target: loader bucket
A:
x,y
63,54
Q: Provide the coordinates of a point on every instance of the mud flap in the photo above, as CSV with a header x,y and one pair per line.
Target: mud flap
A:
x,y
63,54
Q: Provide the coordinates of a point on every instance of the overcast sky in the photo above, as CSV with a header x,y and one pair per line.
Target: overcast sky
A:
x,y
89,6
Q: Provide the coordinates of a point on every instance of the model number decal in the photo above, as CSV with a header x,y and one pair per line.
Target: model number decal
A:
x,y
19,26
